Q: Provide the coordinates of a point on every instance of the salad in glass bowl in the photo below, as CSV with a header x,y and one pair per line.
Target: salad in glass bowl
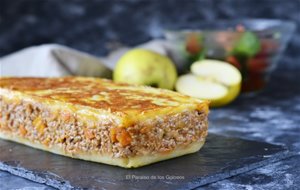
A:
x,y
252,45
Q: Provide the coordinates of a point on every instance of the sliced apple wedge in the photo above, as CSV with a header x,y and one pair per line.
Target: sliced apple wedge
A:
x,y
212,80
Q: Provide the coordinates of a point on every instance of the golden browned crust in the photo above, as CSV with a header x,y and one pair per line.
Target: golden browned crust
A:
x,y
97,93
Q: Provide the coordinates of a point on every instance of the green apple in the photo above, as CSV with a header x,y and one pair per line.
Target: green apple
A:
x,y
145,67
212,80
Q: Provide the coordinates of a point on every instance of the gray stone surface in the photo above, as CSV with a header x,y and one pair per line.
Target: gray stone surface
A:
x,y
272,116
281,175
221,157
7,182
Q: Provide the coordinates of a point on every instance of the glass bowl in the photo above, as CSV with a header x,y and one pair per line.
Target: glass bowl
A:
x,y
254,46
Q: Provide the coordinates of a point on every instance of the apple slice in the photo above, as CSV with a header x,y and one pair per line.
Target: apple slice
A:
x,y
212,80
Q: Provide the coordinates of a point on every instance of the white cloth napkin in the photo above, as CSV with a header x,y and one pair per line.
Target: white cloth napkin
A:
x,y
52,60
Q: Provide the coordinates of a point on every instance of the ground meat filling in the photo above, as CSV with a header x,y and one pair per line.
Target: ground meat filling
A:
x,y
162,134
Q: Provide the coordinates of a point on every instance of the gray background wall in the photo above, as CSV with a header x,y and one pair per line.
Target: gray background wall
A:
x,y
91,26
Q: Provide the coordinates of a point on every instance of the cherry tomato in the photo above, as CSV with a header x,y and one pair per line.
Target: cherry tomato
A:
x,y
232,60
268,46
253,82
257,64
193,45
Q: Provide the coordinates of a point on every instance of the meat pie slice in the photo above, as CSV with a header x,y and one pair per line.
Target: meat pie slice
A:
x,y
101,121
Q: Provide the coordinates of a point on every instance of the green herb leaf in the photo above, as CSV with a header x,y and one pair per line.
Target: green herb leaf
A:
x,y
248,45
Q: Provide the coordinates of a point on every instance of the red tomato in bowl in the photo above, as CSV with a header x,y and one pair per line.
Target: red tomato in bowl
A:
x,y
232,60
253,82
257,64
193,45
